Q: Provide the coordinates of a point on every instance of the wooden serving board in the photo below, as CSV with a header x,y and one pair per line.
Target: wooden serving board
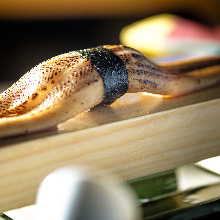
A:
x,y
129,140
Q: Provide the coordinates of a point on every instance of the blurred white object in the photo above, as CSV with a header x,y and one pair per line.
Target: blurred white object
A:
x,y
211,164
73,193
24,213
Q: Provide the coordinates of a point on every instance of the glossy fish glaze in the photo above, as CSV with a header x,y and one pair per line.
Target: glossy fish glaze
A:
x,y
68,84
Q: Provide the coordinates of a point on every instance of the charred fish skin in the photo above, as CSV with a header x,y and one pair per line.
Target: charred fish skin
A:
x,y
171,80
68,84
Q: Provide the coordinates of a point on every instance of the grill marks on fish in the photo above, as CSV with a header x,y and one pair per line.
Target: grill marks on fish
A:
x,y
35,86
142,73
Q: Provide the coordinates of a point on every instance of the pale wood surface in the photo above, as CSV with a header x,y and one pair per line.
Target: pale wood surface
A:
x,y
148,136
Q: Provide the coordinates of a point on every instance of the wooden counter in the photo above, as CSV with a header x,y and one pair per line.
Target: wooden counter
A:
x,y
129,140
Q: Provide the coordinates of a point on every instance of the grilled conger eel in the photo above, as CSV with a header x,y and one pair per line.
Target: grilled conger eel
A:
x,y
68,84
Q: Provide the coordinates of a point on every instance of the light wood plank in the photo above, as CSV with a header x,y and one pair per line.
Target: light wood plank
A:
x,y
130,141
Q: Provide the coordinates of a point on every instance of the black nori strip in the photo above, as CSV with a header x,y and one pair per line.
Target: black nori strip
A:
x,y
112,69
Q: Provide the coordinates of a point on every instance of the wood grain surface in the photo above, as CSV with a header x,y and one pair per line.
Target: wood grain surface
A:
x,y
129,140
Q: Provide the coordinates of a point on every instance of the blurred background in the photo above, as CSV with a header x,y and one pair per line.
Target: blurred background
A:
x,y
35,30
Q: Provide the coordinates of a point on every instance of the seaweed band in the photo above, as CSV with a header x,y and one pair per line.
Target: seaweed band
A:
x,y
71,83
112,70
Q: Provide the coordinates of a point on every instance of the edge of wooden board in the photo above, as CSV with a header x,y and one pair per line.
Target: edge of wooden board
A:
x,y
130,148
123,109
